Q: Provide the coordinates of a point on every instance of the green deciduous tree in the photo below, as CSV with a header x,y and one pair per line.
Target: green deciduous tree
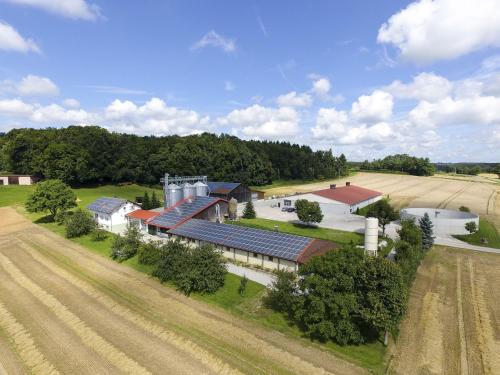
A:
x,y
384,212
426,226
471,227
308,212
126,246
149,252
172,261
249,211
79,223
51,196
281,295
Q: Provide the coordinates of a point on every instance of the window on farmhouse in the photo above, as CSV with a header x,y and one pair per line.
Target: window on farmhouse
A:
x,y
270,259
255,255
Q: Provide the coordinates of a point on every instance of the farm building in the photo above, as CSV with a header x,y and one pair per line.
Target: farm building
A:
x,y
236,190
338,200
15,179
268,249
204,208
110,213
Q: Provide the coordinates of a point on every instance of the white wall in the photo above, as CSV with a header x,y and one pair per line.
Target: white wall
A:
x,y
5,180
24,180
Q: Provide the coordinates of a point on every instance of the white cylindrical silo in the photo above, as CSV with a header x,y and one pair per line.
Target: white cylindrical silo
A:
x,y
188,190
174,194
201,189
371,235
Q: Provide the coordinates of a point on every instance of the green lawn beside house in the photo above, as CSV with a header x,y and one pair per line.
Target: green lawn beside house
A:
x,y
486,231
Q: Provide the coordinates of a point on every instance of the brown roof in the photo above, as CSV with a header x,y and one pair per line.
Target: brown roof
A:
x,y
349,194
315,248
142,214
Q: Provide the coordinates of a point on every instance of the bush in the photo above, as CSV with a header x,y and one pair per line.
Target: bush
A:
x,y
126,246
471,227
172,261
149,252
464,209
282,293
99,235
79,223
243,285
61,217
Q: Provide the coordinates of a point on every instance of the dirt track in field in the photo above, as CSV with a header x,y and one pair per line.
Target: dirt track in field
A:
x,y
453,320
66,310
480,193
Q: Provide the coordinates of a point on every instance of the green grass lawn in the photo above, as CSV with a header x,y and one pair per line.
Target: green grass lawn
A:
x,y
11,195
334,235
487,231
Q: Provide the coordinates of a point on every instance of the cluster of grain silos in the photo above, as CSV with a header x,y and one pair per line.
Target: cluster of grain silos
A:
x,y
174,193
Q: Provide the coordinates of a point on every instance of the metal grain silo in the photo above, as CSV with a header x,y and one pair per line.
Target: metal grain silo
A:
x,y
174,194
188,190
201,189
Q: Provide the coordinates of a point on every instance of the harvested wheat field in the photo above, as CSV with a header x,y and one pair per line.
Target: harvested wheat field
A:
x,y
480,193
453,321
64,310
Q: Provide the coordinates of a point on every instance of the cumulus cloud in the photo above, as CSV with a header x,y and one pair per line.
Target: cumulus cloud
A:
x,y
71,103
264,122
292,99
11,40
213,39
373,108
425,86
431,30
321,87
154,117
74,9
31,85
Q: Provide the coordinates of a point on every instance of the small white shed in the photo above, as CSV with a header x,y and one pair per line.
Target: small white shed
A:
x,y
111,212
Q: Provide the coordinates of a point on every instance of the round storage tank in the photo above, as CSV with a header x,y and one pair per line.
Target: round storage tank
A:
x,y
201,189
371,235
174,194
188,190
445,222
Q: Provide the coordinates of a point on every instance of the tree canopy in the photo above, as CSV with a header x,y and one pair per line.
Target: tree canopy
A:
x,y
90,154
51,196
383,211
308,212
401,163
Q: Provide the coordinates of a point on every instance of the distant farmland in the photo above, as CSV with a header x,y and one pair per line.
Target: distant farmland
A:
x,y
479,193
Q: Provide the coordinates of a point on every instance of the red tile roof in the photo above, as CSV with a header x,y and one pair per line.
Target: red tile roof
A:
x,y
315,248
349,194
143,214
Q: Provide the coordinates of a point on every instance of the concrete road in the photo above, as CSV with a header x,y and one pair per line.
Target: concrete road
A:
x,y
453,242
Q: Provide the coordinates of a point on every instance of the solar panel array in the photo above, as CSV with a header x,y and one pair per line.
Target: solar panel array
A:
x,y
276,244
183,211
222,185
106,205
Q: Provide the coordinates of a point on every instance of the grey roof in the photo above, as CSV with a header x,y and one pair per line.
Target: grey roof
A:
x,y
106,205
184,210
230,186
277,244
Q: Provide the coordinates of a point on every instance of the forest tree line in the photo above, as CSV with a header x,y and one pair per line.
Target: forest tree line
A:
x,y
400,163
87,155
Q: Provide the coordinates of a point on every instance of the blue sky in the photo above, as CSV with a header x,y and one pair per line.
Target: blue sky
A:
x,y
362,77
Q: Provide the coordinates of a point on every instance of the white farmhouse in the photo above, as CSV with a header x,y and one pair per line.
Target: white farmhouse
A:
x,y
110,213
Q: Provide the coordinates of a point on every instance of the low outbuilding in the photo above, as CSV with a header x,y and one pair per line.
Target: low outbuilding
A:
x,y
17,179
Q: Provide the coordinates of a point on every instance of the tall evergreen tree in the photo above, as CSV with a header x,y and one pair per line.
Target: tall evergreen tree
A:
x,y
249,211
155,203
427,232
146,202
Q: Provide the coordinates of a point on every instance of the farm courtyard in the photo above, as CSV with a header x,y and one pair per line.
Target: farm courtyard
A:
x,y
479,193
66,310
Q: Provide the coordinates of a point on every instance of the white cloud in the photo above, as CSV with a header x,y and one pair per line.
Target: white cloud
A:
x,y
337,126
71,103
321,87
264,122
478,110
11,40
292,99
425,86
15,107
427,31
154,117
373,108
31,85
74,9
213,39
229,86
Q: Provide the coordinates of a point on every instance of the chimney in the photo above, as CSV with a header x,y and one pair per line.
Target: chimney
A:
x,y
347,183
276,228
333,186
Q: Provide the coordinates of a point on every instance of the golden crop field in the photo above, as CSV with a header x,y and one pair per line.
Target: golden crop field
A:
x,y
479,193
66,310
451,326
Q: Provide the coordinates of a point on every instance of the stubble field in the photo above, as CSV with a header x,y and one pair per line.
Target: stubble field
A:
x,y
66,310
479,193
452,324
